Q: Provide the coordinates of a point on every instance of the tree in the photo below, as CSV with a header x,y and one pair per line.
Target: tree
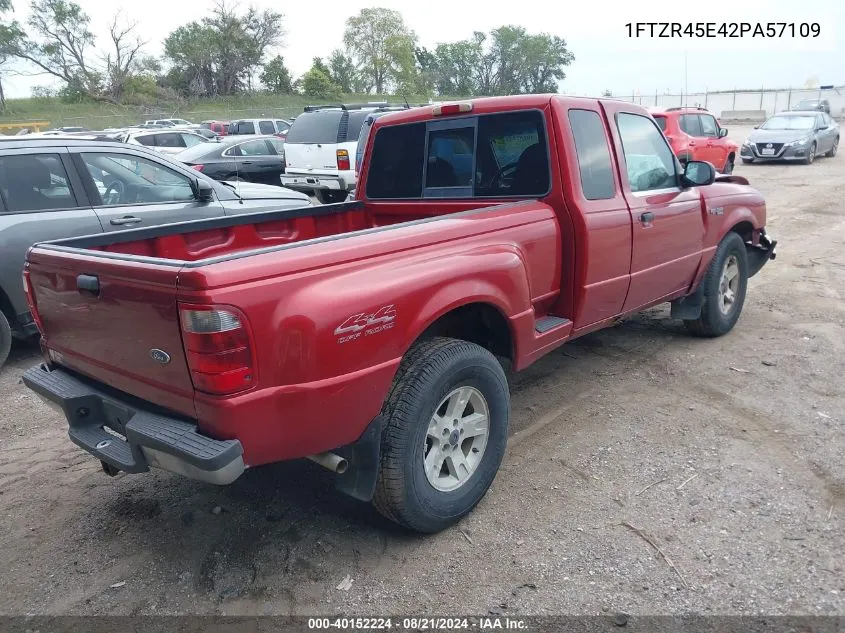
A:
x,y
220,54
59,43
316,83
10,35
375,37
276,76
457,66
342,70
543,60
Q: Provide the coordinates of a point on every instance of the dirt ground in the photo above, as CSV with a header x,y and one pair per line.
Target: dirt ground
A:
x,y
726,453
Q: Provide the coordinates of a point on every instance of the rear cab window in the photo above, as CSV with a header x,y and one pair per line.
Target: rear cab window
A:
x,y
495,155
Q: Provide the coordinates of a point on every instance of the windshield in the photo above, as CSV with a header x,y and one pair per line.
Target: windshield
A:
x,y
789,123
807,104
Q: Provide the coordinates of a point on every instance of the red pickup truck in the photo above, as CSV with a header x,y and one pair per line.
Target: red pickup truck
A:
x,y
373,336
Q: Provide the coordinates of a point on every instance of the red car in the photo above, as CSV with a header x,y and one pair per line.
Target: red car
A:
x,y
695,134
221,128
373,336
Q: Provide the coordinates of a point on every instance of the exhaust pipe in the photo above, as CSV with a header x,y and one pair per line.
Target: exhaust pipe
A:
x,y
332,462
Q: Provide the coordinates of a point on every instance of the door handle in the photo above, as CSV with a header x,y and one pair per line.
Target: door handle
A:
x,y
88,283
129,219
247,162
647,218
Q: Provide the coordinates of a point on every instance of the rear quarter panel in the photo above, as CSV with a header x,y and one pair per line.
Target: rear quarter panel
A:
x,y
333,319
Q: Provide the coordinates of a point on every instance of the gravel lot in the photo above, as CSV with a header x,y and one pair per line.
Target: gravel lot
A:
x,y
726,454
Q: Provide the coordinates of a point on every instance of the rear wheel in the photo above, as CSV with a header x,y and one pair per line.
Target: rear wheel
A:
x,y
5,338
724,286
447,426
832,151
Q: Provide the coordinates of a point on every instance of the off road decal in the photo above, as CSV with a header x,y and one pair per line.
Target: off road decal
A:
x,y
364,324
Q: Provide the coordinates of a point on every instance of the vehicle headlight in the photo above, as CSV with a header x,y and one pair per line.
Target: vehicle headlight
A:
x,y
747,142
800,141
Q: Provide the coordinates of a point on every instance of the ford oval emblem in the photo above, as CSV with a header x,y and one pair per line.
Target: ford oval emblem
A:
x,y
160,356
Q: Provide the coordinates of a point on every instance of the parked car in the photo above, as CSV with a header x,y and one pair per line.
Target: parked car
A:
x,y
792,136
820,105
221,128
252,159
65,130
54,187
206,133
259,126
169,141
371,336
170,122
319,147
696,134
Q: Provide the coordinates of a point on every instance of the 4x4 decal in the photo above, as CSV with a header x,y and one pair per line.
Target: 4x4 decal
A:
x,y
366,324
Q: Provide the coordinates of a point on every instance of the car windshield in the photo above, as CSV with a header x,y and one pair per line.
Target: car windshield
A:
x,y
789,123
807,104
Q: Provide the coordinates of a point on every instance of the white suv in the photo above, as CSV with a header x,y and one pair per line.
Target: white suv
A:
x,y
170,141
320,149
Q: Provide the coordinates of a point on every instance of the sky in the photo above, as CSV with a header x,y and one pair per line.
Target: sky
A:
x,y
606,58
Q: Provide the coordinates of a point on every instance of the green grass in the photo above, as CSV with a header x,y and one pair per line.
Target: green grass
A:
x,y
97,116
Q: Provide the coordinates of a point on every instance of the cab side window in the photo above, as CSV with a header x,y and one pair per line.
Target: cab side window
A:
x,y
648,160
593,155
708,126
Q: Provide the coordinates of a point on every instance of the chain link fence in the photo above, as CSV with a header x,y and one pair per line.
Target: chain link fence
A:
x,y
726,102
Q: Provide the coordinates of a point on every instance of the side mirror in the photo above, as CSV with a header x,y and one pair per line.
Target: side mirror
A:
x,y
756,127
698,173
203,191
723,132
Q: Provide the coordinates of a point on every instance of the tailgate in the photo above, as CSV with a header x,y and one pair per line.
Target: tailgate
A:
x,y
114,320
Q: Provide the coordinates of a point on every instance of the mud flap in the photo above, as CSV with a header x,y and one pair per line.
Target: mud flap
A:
x,y
359,480
760,254
688,308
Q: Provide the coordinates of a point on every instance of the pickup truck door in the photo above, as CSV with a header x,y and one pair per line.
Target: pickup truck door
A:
x,y
668,226
131,191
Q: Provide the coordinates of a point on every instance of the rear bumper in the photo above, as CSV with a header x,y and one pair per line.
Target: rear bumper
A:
x,y
136,438
314,182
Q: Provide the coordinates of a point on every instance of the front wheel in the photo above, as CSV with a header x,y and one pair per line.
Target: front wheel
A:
x,y
723,286
729,165
832,151
5,338
811,155
447,427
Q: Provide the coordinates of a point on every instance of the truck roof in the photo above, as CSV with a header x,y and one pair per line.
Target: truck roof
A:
x,y
484,105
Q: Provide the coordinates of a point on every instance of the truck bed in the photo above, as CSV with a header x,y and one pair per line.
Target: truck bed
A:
x,y
207,241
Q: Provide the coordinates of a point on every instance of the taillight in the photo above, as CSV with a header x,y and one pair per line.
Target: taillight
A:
x,y
218,347
198,167
30,301
342,160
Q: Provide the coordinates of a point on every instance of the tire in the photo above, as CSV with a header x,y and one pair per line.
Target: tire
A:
x,y
729,165
716,317
832,151
5,338
330,197
433,375
811,155
747,161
